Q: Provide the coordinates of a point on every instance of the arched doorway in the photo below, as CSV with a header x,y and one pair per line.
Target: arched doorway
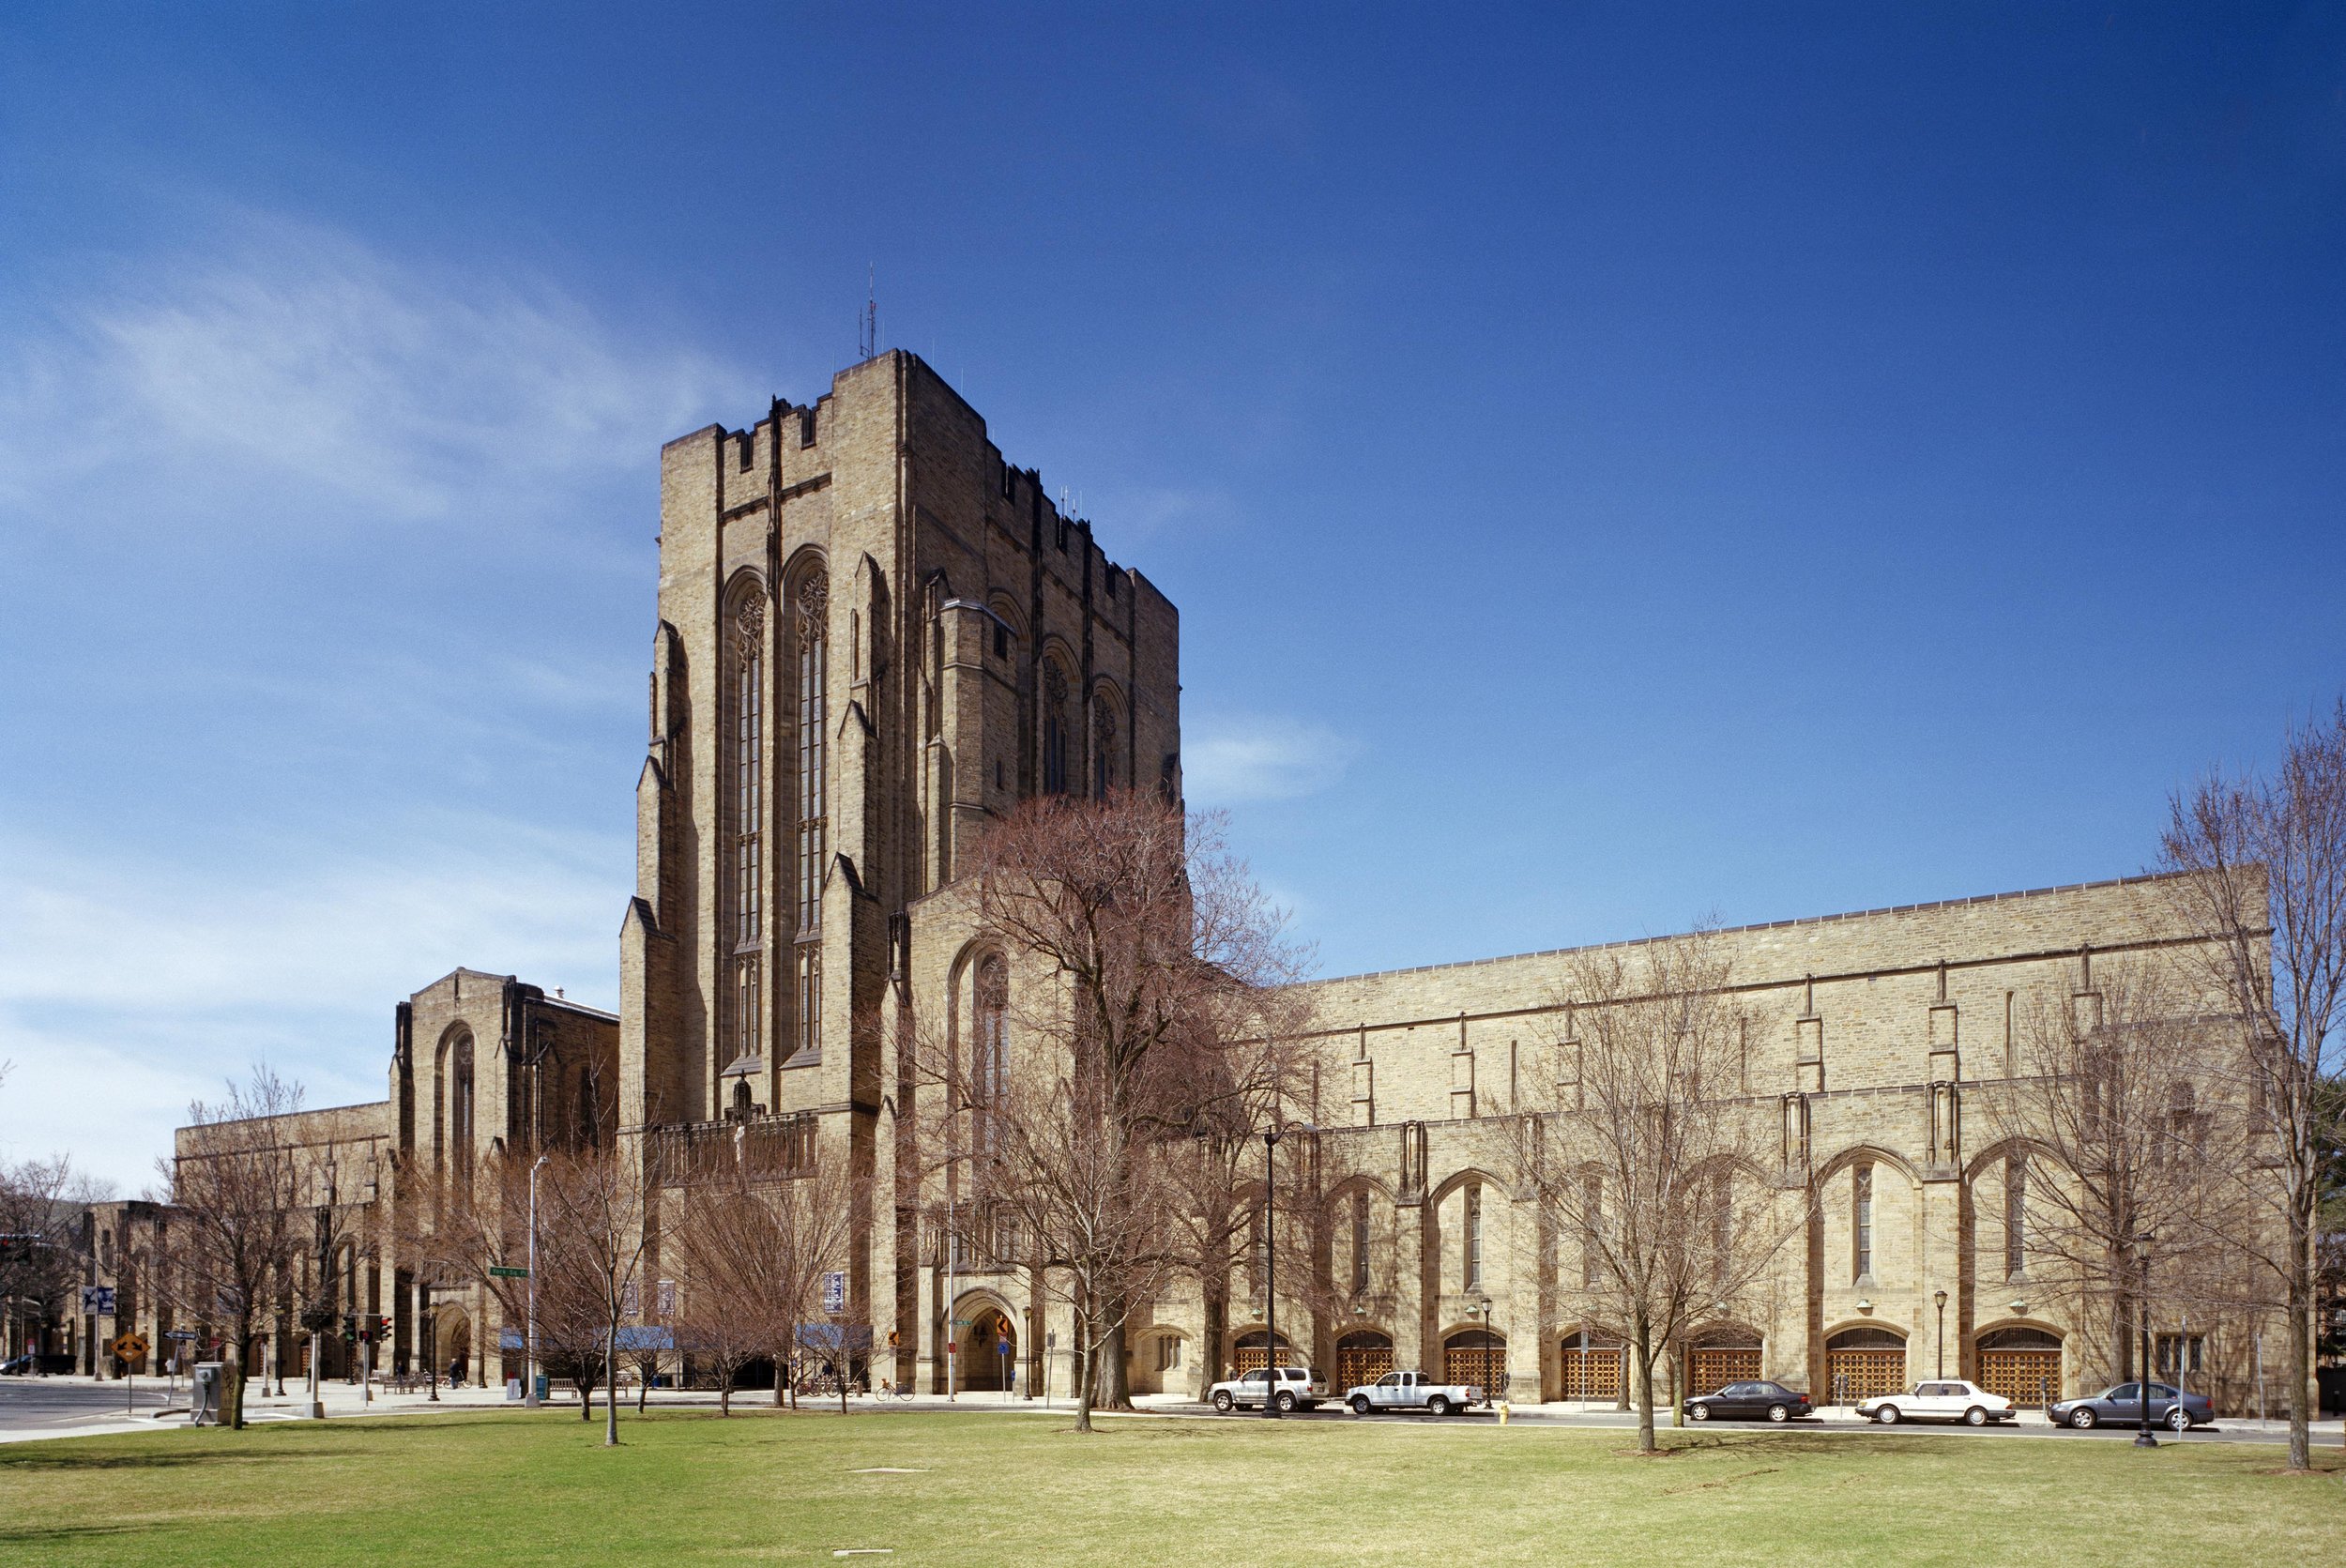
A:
x,y
1590,1362
2022,1364
989,1351
1861,1362
1723,1353
1476,1356
1363,1356
454,1351
1156,1360
1252,1352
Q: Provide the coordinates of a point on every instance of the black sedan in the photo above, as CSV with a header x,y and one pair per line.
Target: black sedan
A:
x,y
1749,1402
2122,1406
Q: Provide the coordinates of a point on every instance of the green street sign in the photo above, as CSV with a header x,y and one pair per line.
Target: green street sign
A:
x,y
499,1271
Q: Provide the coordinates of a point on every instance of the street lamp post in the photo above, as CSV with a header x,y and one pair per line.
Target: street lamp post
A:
x,y
431,1347
1270,1137
1499,1373
2143,1438
1939,1299
529,1355
1270,1271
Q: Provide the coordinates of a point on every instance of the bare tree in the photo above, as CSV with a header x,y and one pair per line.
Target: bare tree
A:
x,y
1640,1155
2117,1119
752,1256
1145,952
592,1242
41,1205
2264,864
236,1184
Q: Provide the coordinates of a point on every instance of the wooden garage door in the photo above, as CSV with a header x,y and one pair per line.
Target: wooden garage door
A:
x,y
1361,1359
2023,1377
1717,1366
1595,1375
1855,1374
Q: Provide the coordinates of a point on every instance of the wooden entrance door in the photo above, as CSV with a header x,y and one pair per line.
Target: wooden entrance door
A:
x,y
1593,1374
1252,1353
1717,1366
1857,1375
1360,1358
2025,1377
1478,1357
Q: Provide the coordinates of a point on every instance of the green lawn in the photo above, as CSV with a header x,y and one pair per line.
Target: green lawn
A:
x,y
511,1488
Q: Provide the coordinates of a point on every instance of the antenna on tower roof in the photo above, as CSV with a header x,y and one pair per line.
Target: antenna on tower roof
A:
x,y
867,327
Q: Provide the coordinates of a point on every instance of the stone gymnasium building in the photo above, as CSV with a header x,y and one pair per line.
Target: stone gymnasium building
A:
x,y
874,633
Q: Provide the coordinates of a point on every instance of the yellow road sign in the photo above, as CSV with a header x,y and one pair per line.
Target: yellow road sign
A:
x,y
131,1348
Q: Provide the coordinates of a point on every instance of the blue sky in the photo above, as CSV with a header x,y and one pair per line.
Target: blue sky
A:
x,y
1618,466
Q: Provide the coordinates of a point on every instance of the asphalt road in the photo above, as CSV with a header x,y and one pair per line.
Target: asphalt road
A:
x,y
55,1407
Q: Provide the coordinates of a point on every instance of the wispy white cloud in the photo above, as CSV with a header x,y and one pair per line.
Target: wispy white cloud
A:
x,y
303,374
1234,759
127,989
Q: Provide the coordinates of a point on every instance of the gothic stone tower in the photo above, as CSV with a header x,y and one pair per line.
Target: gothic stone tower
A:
x,y
873,637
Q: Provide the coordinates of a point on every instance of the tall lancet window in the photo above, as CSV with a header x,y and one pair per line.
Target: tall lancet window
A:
x,y
989,1072
1103,747
745,803
460,1116
1054,730
814,822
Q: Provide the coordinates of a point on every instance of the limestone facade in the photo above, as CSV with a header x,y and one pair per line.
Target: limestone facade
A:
x,y
873,634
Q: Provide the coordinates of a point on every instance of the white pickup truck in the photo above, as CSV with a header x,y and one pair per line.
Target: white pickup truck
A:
x,y
1413,1391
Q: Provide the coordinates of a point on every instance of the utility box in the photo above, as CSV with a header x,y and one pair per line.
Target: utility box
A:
x,y
203,1395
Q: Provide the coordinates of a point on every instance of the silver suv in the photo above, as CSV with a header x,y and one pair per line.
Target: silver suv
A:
x,y
1290,1388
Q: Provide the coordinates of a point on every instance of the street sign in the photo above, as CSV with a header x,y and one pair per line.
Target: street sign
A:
x,y
97,1299
131,1348
499,1271
179,1333
835,1291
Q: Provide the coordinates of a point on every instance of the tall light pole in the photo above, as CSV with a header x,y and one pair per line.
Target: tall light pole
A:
x,y
1270,1137
2143,1438
529,1398
1939,1299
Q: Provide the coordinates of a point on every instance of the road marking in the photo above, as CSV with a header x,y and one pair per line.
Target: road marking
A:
x,y
886,1469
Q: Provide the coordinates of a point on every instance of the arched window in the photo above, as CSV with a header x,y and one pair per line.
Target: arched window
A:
x,y
1054,730
814,607
460,1114
744,808
1103,747
1474,1238
1360,1245
988,1043
2016,1217
1862,1222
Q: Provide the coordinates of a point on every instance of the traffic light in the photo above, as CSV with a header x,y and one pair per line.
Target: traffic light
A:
x,y
383,1330
350,1329
16,1249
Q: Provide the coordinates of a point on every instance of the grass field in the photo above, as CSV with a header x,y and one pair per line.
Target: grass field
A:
x,y
510,1488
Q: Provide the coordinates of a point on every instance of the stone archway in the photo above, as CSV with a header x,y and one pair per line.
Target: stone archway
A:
x,y
985,1366
453,1342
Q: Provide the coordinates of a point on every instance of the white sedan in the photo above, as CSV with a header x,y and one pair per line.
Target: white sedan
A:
x,y
1946,1399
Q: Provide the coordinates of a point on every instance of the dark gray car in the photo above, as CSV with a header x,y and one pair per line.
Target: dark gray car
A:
x,y
2121,1406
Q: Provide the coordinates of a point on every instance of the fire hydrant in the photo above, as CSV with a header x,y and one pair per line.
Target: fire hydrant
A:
x,y
1503,1410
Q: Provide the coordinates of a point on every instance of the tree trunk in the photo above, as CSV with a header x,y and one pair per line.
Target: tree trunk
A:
x,y
1216,1329
1113,1379
232,1378
2300,1341
725,1395
611,1386
1643,1333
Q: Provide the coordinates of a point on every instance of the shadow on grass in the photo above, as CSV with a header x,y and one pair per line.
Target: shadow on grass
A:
x,y
59,1535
